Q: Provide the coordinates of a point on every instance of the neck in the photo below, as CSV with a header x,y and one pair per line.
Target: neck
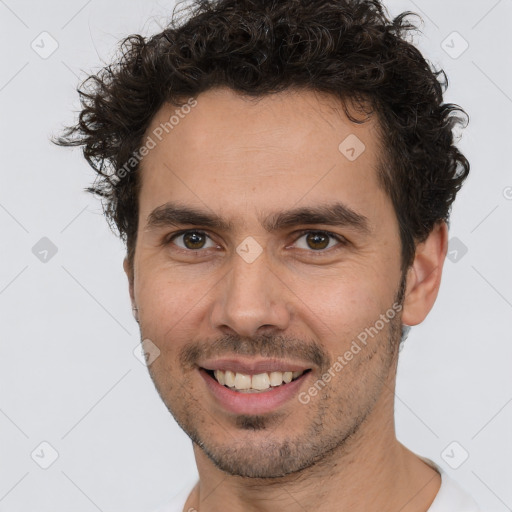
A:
x,y
371,471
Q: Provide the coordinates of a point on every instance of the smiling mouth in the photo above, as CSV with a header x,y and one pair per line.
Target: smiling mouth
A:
x,y
258,383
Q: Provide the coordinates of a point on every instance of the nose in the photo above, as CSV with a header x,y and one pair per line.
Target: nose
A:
x,y
251,298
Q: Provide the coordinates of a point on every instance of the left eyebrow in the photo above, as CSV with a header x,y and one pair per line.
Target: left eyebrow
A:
x,y
335,214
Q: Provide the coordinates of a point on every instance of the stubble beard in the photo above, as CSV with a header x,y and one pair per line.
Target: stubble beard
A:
x,y
264,451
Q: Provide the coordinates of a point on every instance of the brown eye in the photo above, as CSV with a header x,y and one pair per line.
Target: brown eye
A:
x,y
194,240
191,240
317,241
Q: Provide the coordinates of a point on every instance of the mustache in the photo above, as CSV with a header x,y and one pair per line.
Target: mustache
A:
x,y
267,346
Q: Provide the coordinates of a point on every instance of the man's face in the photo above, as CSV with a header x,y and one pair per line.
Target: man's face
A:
x,y
268,293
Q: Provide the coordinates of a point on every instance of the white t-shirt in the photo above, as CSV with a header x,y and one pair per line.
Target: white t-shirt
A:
x,y
450,497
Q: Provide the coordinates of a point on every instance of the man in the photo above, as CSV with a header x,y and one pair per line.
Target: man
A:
x,y
282,173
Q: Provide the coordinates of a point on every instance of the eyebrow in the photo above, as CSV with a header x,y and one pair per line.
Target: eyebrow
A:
x,y
334,214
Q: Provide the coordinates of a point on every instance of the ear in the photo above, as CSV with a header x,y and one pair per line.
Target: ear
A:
x,y
129,274
424,275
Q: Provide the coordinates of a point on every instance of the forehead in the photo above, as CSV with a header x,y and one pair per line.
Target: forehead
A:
x,y
231,151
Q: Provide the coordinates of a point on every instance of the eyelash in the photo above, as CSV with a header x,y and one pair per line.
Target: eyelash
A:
x,y
341,240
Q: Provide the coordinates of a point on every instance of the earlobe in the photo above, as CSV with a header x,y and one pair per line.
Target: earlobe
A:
x,y
424,276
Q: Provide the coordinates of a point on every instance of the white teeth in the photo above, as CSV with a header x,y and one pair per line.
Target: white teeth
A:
x,y
229,378
242,381
219,376
259,382
276,378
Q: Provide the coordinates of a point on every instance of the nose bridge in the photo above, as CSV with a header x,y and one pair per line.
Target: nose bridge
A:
x,y
250,296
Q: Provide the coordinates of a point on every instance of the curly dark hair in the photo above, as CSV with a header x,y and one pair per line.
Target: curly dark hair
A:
x,y
348,48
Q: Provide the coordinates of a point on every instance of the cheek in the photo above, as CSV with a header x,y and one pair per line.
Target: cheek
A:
x,y
167,307
342,304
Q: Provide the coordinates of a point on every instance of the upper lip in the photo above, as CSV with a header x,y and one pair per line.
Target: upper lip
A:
x,y
252,366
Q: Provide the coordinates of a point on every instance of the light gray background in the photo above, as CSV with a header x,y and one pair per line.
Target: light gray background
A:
x,y
69,376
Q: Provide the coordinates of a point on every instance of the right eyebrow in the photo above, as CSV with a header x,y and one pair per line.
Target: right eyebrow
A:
x,y
174,214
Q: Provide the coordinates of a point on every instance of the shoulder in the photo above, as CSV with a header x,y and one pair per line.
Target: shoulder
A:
x,y
451,497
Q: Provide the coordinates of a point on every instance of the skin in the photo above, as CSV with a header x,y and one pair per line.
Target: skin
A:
x,y
235,158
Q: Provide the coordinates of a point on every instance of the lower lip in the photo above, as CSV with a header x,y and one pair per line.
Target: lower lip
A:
x,y
252,403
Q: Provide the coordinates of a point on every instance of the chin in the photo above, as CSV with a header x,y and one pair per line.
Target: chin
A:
x,y
267,461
